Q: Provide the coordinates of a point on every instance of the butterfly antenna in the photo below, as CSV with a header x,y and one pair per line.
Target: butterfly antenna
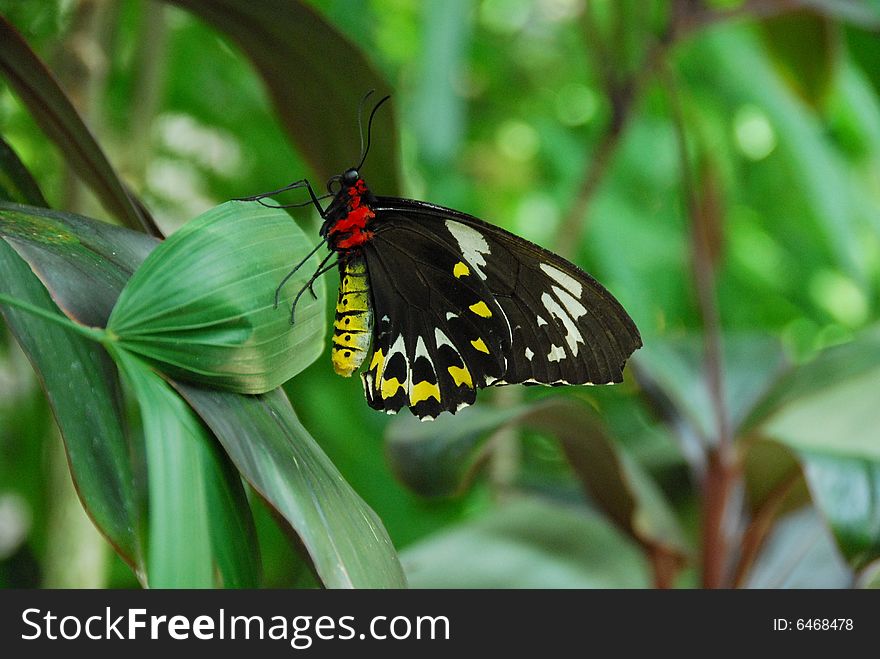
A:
x,y
370,130
361,119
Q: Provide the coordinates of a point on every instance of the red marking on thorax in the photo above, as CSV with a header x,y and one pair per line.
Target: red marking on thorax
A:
x,y
355,222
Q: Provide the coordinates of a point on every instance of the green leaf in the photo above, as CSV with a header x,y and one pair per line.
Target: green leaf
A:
x,y
800,553
179,551
16,182
528,543
833,425
82,388
615,481
773,477
199,516
55,114
289,42
865,13
201,304
752,363
262,436
803,46
436,459
82,262
233,531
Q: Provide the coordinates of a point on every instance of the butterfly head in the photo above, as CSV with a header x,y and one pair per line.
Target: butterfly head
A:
x,y
350,177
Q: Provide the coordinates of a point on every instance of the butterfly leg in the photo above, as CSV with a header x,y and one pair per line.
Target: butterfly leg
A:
x,y
295,269
322,269
302,183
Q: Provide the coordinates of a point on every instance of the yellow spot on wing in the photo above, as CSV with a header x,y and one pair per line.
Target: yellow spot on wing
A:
x,y
461,376
481,309
461,270
423,391
378,362
390,387
479,345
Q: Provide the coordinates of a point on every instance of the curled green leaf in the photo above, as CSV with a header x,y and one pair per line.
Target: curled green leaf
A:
x,y
201,305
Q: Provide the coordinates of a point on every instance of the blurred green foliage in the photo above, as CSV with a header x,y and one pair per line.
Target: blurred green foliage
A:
x,y
714,164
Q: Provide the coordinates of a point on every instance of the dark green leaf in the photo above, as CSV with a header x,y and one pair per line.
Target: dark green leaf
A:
x,y
829,416
55,114
82,387
528,544
16,182
201,304
751,365
289,43
803,45
262,436
800,553
773,476
615,481
177,447
436,458
82,262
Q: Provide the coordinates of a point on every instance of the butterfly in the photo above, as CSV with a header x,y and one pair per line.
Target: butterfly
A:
x,y
436,303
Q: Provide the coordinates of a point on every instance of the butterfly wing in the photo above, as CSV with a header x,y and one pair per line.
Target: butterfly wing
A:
x,y
461,304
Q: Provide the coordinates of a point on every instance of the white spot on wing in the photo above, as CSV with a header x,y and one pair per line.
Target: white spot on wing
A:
x,y
541,321
574,308
529,354
421,349
442,339
557,353
567,281
572,336
398,348
471,243
450,315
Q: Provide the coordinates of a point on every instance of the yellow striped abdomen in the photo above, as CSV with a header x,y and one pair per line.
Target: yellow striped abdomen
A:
x,y
354,317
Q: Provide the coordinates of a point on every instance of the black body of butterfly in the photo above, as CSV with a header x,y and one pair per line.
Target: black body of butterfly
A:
x,y
438,303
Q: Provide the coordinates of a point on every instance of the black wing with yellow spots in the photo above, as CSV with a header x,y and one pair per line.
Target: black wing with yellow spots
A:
x,y
459,304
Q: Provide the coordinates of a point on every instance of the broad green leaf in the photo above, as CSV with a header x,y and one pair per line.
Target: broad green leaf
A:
x,y
199,517
751,365
837,365
82,388
55,114
82,262
226,416
800,553
803,46
527,543
833,425
201,304
615,481
262,436
436,459
288,42
177,448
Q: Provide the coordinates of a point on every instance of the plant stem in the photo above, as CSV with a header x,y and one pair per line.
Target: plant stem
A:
x,y
94,333
722,470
